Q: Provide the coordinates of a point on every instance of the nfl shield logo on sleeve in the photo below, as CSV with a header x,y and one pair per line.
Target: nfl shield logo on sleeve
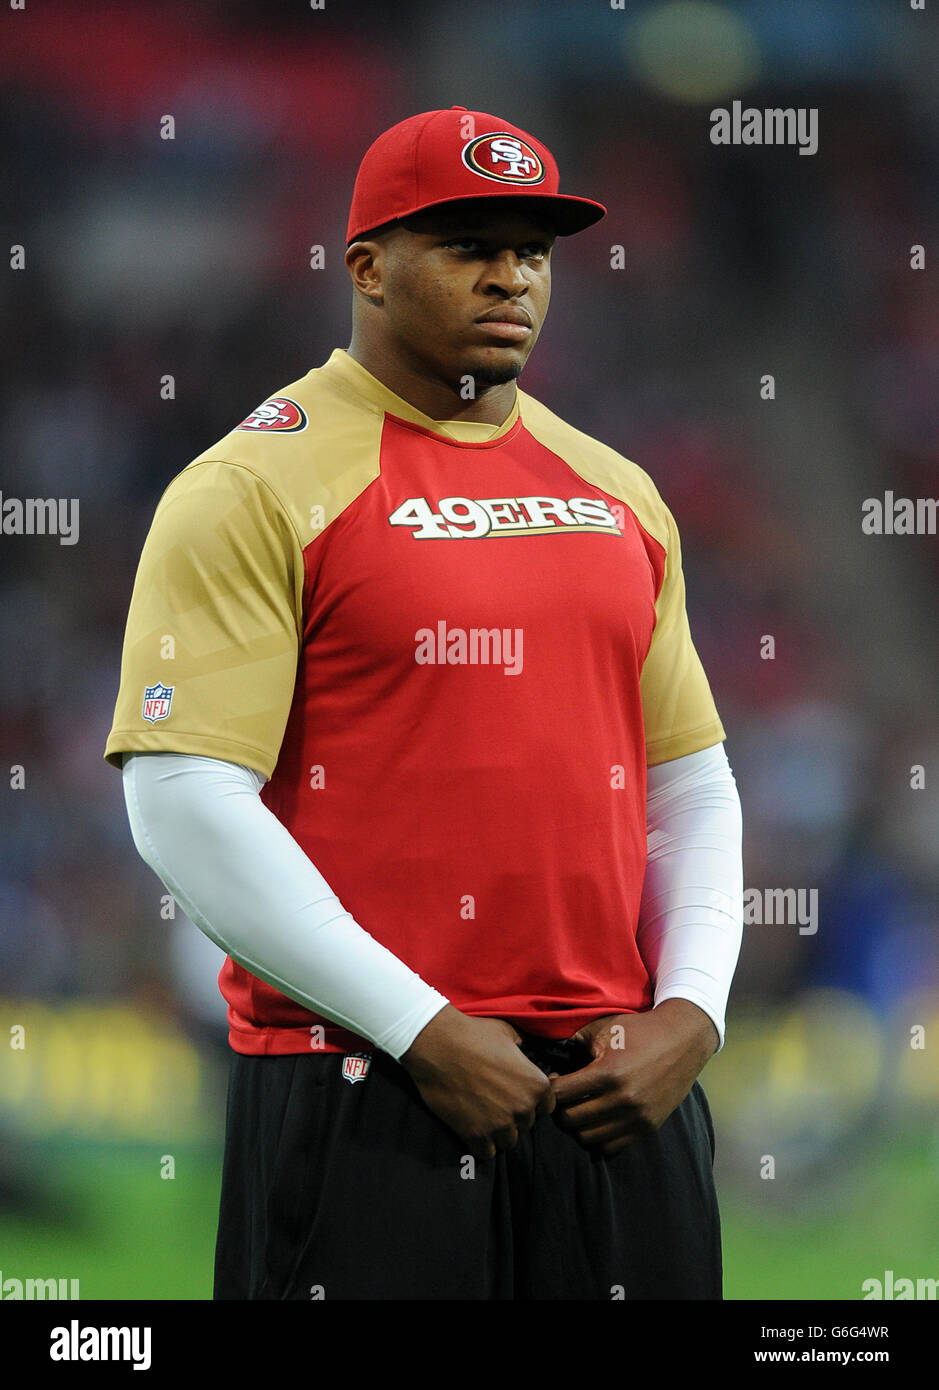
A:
x,y
355,1066
156,702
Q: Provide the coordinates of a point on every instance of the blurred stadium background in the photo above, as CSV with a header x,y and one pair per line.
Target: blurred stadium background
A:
x,y
147,257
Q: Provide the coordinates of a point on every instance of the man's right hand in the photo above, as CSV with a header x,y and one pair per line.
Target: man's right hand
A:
x,y
472,1075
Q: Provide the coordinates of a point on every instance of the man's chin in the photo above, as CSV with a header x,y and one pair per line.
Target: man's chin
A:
x,y
495,374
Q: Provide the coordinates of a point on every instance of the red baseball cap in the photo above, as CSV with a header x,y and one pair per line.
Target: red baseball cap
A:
x,y
446,156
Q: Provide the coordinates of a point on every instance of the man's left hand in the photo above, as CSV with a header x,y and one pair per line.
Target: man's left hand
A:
x,y
643,1067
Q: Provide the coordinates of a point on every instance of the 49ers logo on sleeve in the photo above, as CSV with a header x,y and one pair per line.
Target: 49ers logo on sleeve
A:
x,y
503,157
280,414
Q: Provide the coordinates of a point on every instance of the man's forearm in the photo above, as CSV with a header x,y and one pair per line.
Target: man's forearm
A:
x,y
698,1026
242,878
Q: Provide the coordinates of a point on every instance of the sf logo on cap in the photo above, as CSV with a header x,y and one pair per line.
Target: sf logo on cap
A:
x,y
503,157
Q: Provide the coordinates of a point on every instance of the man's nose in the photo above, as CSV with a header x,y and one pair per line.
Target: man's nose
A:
x,y
505,270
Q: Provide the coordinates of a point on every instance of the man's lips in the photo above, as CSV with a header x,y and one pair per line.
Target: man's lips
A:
x,y
509,322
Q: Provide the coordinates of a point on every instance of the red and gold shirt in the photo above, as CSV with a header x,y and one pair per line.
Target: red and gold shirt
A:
x,y
453,649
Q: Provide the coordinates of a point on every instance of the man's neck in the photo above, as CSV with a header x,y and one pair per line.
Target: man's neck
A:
x,y
433,397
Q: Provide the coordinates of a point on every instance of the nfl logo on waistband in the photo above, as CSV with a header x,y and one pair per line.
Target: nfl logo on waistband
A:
x,y
355,1066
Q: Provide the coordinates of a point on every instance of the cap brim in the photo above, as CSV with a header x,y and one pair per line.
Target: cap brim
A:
x,y
571,214
568,214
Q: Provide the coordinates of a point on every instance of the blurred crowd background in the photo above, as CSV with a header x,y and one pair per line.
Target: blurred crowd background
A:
x,y
190,258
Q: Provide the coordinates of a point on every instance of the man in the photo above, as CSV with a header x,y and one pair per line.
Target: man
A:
x,y
412,726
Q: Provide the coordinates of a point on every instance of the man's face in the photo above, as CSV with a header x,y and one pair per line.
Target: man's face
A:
x,y
444,270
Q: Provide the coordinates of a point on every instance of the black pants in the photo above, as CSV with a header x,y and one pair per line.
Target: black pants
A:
x,y
340,1190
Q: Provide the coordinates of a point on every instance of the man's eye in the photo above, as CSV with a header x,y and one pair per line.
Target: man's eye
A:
x,y
535,250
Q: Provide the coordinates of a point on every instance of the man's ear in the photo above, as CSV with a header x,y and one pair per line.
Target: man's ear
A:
x,y
364,262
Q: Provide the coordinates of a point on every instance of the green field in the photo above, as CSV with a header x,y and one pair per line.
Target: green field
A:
x,y
108,1219
889,1219
105,1216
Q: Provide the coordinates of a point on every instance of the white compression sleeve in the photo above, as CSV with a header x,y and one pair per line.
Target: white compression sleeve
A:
x,y
691,916
242,878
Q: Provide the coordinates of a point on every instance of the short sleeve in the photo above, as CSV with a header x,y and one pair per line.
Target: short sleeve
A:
x,y
678,709
212,640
